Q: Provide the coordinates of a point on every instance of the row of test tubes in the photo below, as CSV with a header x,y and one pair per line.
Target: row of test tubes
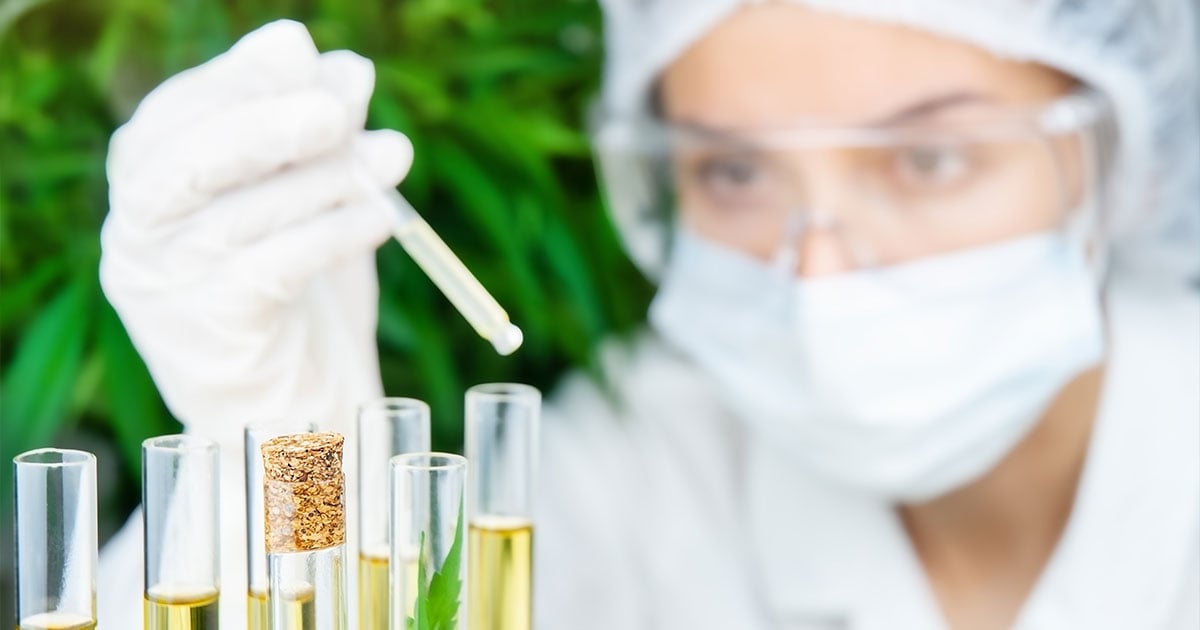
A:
x,y
414,508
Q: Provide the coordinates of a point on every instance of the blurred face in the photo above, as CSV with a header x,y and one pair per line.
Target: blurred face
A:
x,y
922,179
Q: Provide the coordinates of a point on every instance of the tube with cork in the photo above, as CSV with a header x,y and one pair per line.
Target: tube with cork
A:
x,y
305,525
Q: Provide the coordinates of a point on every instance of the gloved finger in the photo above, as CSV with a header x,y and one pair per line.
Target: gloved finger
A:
x,y
277,58
386,153
185,250
225,150
299,192
278,268
351,78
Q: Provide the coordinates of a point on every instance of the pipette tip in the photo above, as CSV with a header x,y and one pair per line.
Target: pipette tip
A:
x,y
508,340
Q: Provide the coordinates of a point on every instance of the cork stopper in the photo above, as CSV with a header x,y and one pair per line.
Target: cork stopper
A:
x,y
304,492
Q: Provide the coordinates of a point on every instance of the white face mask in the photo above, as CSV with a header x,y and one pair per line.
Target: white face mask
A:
x,y
905,382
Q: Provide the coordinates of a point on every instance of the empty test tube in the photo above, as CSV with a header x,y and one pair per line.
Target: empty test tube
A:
x,y
56,539
181,526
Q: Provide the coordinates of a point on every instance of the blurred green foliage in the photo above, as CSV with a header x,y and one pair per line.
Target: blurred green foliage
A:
x,y
492,95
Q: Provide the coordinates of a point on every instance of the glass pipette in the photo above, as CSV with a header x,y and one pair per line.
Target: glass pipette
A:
x,y
453,278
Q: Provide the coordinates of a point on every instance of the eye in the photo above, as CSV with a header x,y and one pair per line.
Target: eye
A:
x,y
732,171
733,180
932,165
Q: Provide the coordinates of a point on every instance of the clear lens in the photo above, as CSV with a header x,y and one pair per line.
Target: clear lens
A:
x,y
876,205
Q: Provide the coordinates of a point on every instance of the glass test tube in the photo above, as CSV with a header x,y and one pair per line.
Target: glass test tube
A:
x,y
305,525
386,427
502,422
427,539
56,539
254,435
181,526
446,271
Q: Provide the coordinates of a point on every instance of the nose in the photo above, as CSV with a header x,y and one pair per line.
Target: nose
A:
x,y
820,247
819,237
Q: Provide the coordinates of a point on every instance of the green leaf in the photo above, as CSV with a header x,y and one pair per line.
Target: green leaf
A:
x,y
446,585
439,599
481,199
421,606
11,11
23,294
135,409
36,389
35,392
395,327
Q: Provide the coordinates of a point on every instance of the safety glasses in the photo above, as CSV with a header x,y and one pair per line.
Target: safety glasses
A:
x,y
857,197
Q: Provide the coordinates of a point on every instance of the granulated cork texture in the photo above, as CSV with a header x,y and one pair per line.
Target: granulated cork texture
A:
x,y
304,492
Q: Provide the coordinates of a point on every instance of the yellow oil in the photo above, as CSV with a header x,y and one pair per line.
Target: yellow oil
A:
x,y
500,572
258,611
180,610
372,592
56,621
409,588
298,610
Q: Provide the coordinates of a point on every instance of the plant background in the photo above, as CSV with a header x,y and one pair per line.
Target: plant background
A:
x,y
493,96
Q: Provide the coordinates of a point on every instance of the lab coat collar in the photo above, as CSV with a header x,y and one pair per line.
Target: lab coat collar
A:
x,y
1130,555
832,558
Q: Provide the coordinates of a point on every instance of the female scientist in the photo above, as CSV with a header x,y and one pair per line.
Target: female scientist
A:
x,y
924,353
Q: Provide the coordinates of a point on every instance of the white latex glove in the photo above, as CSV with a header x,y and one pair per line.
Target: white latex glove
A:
x,y
239,253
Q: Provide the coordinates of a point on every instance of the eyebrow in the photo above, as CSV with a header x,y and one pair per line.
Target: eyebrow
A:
x,y
923,108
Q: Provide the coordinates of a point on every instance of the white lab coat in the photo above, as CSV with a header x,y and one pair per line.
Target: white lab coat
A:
x,y
660,511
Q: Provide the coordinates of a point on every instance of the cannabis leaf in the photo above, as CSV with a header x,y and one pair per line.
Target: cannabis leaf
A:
x,y
437,602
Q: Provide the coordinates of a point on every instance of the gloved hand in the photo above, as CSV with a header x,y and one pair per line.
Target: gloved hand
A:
x,y
239,254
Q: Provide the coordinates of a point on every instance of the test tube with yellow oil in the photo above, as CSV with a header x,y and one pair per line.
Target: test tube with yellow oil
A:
x,y
428,546
448,273
502,422
386,427
305,528
181,520
254,435
56,539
